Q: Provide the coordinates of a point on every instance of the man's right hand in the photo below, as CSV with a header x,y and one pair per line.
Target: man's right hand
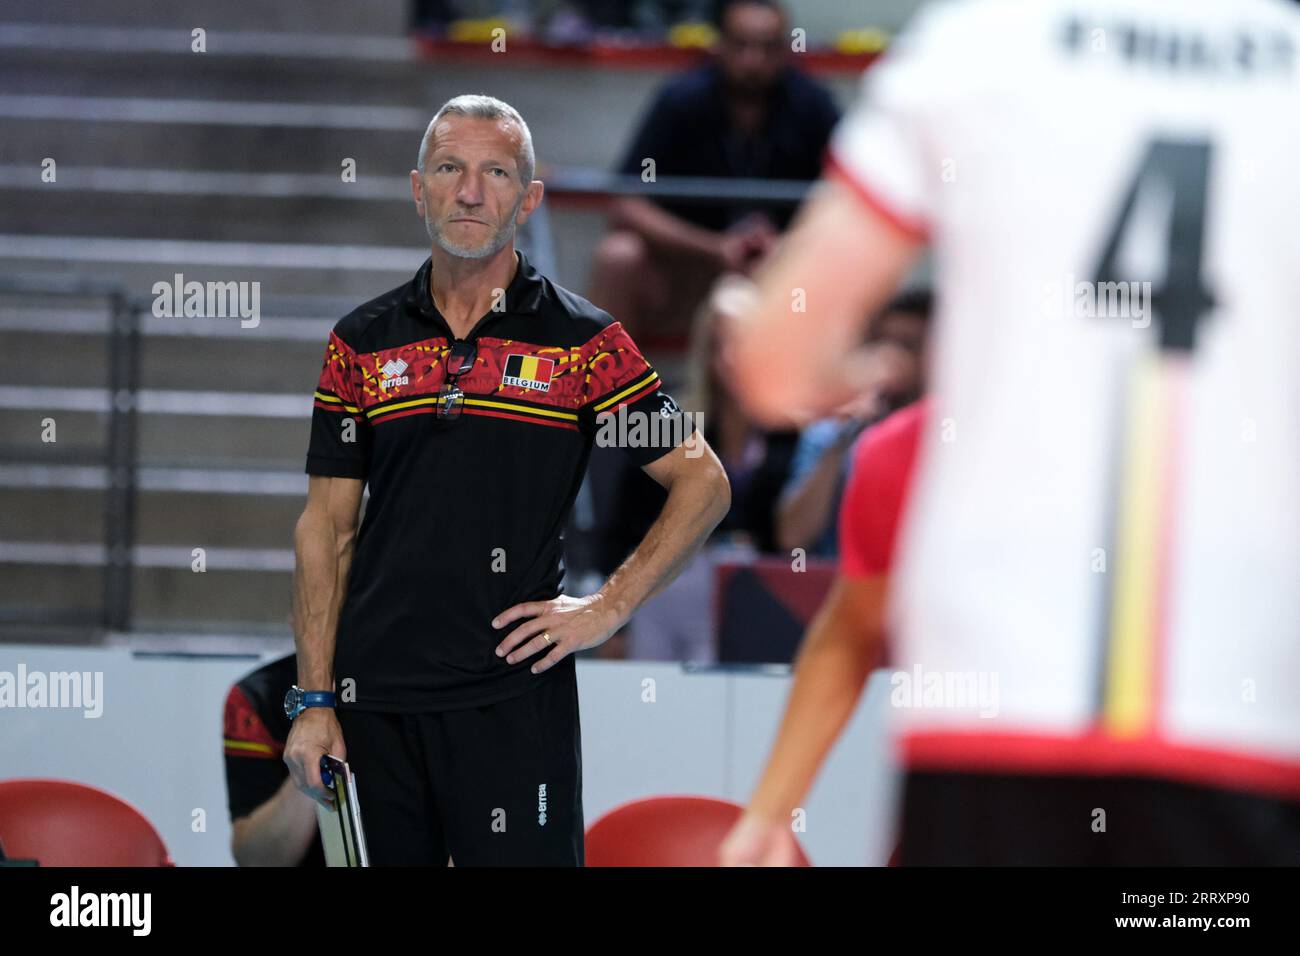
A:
x,y
314,733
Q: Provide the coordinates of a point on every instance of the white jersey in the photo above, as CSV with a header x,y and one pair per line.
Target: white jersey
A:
x,y
1102,550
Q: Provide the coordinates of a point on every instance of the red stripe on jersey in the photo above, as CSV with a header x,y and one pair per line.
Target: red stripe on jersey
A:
x,y
423,410
1097,753
518,418
336,408
834,167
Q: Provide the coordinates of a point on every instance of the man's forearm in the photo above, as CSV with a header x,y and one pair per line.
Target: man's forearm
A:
x,y
277,833
693,509
323,559
664,231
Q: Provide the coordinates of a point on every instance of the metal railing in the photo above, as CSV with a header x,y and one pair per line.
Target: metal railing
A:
x,y
119,452
115,469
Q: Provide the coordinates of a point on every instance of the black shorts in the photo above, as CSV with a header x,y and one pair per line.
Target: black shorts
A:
x,y
972,819
499,785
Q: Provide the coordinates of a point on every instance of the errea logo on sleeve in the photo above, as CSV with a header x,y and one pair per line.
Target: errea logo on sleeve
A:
x,y
528,371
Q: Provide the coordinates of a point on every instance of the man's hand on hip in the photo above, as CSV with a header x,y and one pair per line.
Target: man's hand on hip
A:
x,y
564,625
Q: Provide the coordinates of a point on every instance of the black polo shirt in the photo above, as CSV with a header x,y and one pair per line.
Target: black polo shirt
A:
x,y
688,132
255,728
465,516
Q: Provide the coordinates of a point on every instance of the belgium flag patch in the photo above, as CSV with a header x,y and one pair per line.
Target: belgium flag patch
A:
x,y
528,371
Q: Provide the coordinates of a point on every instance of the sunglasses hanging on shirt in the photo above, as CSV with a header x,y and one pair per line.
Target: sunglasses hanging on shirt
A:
x,y
460,360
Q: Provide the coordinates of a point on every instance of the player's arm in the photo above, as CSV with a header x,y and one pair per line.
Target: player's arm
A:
x,y
323,543
278,832
844,642
843,645
841,260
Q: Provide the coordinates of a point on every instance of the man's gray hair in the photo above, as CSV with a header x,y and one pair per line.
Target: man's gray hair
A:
x,y
480,106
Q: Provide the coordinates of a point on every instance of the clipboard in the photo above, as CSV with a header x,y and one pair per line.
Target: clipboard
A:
x,y
340,828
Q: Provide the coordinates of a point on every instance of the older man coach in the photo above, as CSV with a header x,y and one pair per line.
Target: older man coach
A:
x,y
435,640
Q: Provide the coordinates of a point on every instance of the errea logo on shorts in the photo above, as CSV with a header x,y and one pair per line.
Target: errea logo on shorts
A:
x,y
393,376
541,805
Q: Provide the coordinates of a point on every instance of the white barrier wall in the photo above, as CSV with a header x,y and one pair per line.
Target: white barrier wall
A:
x,y
157,744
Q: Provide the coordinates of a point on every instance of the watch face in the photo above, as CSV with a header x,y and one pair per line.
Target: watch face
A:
x,y
292,701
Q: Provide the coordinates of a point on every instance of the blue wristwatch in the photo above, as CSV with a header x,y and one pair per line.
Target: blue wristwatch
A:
x,y
297,700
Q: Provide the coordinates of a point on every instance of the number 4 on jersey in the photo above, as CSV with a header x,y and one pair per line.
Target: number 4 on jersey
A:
x,y
1182,168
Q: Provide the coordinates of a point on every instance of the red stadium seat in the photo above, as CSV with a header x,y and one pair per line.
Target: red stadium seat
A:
x,y
61,823
664,831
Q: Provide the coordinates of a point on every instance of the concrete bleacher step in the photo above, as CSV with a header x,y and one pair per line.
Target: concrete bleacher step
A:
x,y
66,211
230,441
72,516
314,150
161,597
221,598
371,18
32,591
336,272
217,75
176,362
580,115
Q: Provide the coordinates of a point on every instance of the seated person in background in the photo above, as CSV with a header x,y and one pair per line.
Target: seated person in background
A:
x,y
805,516
746,114
273,822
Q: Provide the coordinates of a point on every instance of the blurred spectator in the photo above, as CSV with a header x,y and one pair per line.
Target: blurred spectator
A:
x,y
677,624
747,113
651,17
274,824
757,461
565,21
805,516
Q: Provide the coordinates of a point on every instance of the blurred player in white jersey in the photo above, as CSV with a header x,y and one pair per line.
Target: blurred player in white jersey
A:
x,y
1096,614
